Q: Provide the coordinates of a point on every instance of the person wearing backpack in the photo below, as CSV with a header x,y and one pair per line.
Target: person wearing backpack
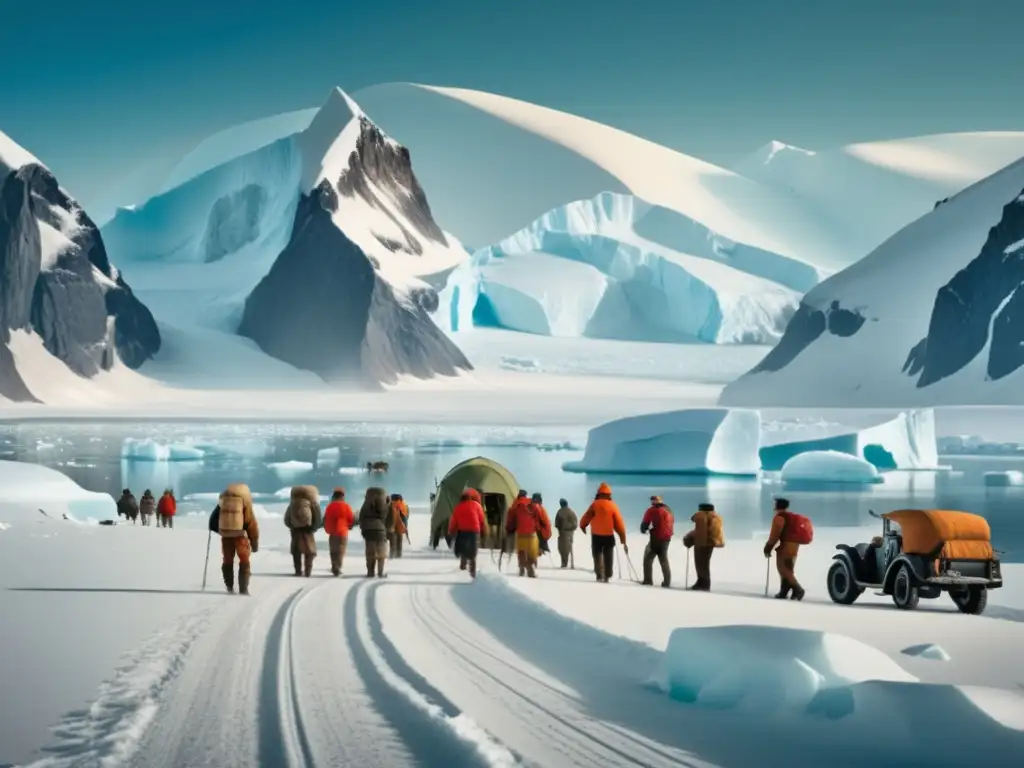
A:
x,y
128,507
374,523
465,525
400,514
234,521
706,536
565,523
660,521
303,518
338,521
147,506
529,523
789,532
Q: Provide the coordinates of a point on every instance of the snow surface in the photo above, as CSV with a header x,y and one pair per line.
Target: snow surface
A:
x,y
431,662
928,651
147,449
765,670
25,489
13,156
905,440
584,269
710,440
894,287
1004,479
829,466
871,190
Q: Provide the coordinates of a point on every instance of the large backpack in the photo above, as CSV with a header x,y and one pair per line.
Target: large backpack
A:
x,y
300,513
232,516
797,530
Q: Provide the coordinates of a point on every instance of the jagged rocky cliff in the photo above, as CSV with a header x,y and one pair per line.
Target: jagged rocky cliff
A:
x,y
57,282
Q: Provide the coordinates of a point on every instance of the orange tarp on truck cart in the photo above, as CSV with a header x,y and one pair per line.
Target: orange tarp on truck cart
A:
x,y
925,531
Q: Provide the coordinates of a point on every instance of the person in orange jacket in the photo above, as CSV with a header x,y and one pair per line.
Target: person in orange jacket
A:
x,y
605,521
528,521
537,502
338,521
396,538
166,508
465,525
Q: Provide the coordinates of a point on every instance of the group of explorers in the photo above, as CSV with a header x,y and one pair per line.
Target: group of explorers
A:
x,y
383,521
132,509
528,521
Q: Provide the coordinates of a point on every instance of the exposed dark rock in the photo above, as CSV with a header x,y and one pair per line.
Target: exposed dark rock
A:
x,y
323,308
388,167
234,221
941,202
967,306
67,304
806,326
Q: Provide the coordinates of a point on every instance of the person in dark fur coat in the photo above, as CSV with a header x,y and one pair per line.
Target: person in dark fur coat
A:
x,y
374,523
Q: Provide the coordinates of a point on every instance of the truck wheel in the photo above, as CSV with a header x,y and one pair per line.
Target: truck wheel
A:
x,y
971,600
841,587
904,592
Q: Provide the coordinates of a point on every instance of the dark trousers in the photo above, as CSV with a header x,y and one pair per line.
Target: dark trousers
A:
x,y
395,541
657,549
603,550
702,564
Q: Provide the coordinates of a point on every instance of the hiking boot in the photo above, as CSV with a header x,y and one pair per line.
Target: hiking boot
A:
x,y
472,568
335,571
309,567
462,564
648,583
297,564
380,568
243,579
228,572
665,585
798,594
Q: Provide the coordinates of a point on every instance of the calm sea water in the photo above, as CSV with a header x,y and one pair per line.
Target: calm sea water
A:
x,y
91,454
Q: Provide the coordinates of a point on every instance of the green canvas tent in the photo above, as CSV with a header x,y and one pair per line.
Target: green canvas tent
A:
x,y
497,487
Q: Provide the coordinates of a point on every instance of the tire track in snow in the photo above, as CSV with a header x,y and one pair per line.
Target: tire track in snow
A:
x,y
656,752
425,727
283,742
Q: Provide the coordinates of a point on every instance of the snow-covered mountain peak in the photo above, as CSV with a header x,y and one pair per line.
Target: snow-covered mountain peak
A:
x,y
330,139
13,156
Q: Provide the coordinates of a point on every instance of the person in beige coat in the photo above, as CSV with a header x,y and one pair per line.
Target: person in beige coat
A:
x,y
374,523
707,535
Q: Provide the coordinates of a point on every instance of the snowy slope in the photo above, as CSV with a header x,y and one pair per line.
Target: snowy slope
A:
x,y
615,266
869,191
497,163
59,287
929,318
200,250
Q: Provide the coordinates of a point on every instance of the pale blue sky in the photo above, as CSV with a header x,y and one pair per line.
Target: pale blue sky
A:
x,y
109,93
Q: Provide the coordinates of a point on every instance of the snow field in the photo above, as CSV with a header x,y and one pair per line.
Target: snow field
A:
x,y
552,671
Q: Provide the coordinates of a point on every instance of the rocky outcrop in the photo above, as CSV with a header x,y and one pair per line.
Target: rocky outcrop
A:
x,y
324,308
66,294
806,326
982,305
379,163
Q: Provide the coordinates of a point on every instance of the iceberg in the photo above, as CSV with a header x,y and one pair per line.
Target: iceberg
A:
x,y
906,441
615,266
329,456
28,489
829,466
719,441
1007,479
291,469
147,449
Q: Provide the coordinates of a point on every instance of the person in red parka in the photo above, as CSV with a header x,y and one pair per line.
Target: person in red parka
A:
x,y
661,523
530,523
338,521
166,508
465,524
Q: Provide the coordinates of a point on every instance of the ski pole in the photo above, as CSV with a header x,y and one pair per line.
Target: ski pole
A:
x,y
686,580
206,565
633,574
572,560
618,562
767,574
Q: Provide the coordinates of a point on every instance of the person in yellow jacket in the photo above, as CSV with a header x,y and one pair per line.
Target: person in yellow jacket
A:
x,y
605,520
706,536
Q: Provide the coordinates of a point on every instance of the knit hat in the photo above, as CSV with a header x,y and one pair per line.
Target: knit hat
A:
x,y
705,507
538,499
604,488
655,499
563,503
523,494
339,493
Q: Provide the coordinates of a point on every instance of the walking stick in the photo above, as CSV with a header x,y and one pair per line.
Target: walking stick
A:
x,y
618,562
632,570
572,559
767,574
206,566
686,579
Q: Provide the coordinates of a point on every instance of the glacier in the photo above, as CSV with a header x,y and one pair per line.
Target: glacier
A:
x,y
713,441
28,489
615,266
904,441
